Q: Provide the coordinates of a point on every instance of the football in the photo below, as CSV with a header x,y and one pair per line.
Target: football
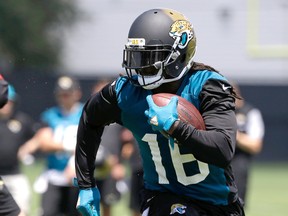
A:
x,y
187,112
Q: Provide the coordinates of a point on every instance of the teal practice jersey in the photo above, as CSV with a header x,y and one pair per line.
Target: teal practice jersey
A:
x,y
64,128
166,168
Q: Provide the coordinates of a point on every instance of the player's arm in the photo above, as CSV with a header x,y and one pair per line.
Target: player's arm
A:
x,y
248,143
252,140
100,110
43,139
216,145
3,91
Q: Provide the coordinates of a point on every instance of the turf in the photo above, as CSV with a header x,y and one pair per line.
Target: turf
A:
x,y
268,190
267,195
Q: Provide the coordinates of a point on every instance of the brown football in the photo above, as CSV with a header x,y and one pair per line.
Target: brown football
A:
x,y
187,112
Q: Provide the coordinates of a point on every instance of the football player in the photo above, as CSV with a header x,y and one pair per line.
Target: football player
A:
x,y
191,176
8,206
57,138
249,142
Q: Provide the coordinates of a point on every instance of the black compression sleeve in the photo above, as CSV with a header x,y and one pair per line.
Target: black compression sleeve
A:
x,y
216,145
213,146
100,110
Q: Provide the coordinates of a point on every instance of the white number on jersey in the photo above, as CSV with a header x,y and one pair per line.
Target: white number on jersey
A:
x,y
178,160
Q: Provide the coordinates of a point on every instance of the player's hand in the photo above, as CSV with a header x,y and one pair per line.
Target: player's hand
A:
x,y
89,202
162,118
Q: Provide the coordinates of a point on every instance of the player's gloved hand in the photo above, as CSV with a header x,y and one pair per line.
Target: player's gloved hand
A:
x,y
89,202
162,118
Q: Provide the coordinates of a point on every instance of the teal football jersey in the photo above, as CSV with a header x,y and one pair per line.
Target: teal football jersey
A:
x,y
167,169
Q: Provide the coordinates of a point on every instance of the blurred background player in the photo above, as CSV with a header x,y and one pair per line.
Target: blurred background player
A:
x,y
3,91
249,141
117,147
130,151
16,128
8,206
109,169
57,138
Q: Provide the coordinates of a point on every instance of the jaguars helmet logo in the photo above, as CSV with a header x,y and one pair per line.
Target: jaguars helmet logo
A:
x,y
178,209
181,31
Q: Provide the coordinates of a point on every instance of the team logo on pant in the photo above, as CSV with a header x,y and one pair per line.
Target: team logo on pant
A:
x,y
178,208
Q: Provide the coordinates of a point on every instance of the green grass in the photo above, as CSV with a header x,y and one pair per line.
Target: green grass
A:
x,y
268,194
268,190
33,171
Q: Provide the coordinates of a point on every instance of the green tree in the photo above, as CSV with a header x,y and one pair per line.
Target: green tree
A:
x,y
30,31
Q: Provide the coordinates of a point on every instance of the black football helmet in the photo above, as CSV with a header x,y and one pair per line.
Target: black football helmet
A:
x,y
160,48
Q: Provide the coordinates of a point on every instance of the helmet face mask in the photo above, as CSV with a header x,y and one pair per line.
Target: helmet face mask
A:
x,y
141,57
160,48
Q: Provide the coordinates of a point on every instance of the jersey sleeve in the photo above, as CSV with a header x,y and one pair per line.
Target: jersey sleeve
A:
x,y
255,126
216,144
100,110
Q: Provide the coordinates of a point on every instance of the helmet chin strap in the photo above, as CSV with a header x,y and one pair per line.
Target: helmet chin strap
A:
x,y
151,82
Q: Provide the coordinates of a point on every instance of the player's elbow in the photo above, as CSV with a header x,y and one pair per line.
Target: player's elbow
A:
x,y
256,148
218,157
224,161
226,153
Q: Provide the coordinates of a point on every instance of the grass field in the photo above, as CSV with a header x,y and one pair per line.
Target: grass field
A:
x,y
268,194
